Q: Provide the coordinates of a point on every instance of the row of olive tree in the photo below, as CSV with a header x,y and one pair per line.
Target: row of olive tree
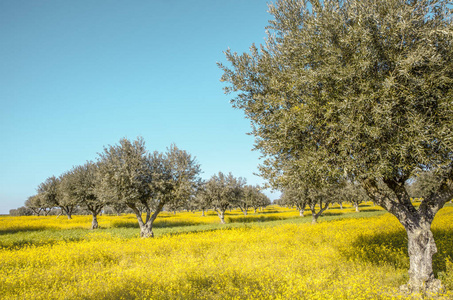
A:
x,y
124,175
302,196
127,176
222,192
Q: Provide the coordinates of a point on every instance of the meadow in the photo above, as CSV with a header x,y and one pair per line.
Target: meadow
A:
x,y
273,254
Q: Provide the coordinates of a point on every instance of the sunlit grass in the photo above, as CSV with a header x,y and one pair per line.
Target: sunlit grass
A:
x,y
345,256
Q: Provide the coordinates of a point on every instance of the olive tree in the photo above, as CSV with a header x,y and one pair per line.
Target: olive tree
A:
x,y
225,192
202,200
293,196
79,185
357,89
51,194
34,204
146,182
354,193
255,197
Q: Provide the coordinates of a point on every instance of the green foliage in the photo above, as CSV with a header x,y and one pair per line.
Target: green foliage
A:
x,y
351,89
355,87
79,185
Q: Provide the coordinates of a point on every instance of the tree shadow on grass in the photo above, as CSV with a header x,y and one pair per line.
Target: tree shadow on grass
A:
x,y
30,241
24,229
391,249
370,209
156,224
331,213
253,219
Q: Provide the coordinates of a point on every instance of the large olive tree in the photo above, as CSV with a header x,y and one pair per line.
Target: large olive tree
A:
x,y
359,89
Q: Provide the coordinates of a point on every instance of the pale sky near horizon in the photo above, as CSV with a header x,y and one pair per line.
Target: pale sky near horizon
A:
x,y
79,75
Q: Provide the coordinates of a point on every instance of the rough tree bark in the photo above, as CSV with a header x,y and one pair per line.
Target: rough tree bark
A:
x,y
94,222
417,223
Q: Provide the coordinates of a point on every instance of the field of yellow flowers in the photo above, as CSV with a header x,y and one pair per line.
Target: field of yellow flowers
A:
x,y
279,256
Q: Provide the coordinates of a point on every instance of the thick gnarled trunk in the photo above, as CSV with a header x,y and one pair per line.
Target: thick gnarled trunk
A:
x,y
146,227
417,222
421,248
146,230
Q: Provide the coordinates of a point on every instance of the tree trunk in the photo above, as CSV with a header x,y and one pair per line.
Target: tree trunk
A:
x,y
301,212
146,230
254,210
67,211
94,222
315,215
221,215
417,222
202,213
421,247
245,212
356,207
314,218
341,205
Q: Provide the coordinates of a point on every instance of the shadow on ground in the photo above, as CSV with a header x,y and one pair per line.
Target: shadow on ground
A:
x,y
156,224
24,229
391,249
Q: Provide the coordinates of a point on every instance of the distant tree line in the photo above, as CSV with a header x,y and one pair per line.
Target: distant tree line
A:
x,y
128,178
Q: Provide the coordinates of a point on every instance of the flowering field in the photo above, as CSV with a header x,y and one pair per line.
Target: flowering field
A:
x,y
280,257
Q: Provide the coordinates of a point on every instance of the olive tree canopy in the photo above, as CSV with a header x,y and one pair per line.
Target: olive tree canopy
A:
x,y
361,90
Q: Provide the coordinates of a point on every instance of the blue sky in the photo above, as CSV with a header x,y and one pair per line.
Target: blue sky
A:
x,y
79,75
